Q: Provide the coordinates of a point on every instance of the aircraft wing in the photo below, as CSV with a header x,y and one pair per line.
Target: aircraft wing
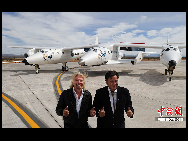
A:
x,y
27,47
138,45
121,61
80,47
146,46
182,46
64,48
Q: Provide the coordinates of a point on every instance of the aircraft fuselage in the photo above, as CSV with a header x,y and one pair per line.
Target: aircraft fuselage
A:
x,y
170,56
54,56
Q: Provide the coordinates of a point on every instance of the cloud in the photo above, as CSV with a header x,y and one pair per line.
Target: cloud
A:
x,y
165,31
46,29
177,34
138,31
143,18
152,33
75,29
108,32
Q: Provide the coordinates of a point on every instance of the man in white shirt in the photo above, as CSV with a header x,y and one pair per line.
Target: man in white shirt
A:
x,y
75,103
78,100
110,102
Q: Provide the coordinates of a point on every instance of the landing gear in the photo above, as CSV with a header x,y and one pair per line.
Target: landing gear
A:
x,y
166,71
170,71
132,62
37,68
64,67
170,78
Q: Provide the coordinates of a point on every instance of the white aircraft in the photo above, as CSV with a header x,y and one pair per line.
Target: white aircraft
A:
x,y
43,55
108,54
170,56
100,54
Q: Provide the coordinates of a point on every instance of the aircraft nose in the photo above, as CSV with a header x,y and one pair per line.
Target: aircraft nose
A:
x,y
25,61
81,62
172,63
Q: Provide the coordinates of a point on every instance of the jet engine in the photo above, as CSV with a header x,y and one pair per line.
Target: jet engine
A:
x,y
32,51
95,56
25,55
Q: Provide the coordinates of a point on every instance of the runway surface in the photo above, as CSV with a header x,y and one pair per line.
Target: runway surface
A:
x,y
37,94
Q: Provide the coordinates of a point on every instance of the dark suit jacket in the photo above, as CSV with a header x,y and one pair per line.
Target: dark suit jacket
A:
x,y
67,99
111,120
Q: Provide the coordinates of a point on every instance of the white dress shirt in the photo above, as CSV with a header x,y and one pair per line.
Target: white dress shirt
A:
x,y
78,101
111,98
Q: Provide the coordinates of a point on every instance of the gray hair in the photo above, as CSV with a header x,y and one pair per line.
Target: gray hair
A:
x,y
78,73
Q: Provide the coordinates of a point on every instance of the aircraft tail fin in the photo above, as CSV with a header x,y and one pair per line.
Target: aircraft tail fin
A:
x,y
140,57
167,42
96,41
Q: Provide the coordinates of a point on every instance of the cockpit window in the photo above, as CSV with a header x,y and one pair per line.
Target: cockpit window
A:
x,y
171,48
175,49
95,50
42,51
167,49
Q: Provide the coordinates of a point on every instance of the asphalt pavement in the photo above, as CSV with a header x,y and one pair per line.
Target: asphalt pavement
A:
x,y
147,84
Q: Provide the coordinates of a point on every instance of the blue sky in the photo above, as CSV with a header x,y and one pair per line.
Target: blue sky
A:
x,y
66,29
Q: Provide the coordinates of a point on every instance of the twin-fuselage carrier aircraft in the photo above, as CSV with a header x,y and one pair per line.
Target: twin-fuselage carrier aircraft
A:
x,y
100,54
46,55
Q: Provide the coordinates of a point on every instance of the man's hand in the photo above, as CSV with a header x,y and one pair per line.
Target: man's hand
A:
x,y
102,112
93,112
65,112
129,112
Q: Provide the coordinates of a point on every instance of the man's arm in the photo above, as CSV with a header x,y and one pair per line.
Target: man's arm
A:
x,y
61,105
128,104
96,103
90,105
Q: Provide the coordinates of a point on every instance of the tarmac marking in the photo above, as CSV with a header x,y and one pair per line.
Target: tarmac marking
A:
x,y
28,117
24,115
57,83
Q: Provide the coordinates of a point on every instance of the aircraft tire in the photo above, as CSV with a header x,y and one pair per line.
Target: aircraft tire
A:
x,y
165,71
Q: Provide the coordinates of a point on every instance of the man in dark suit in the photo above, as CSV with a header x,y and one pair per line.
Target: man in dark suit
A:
x,y
110,102
75,103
